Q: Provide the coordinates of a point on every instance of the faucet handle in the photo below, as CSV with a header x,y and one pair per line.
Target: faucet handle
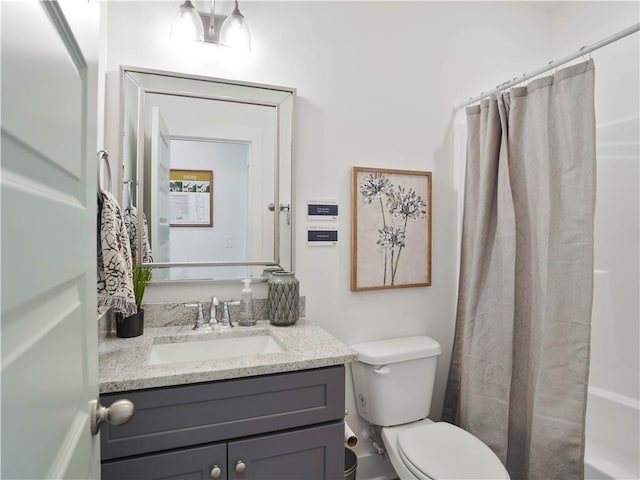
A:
x,y
200,324
225,322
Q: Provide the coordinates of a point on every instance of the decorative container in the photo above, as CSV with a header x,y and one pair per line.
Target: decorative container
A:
x,y
283,298
131,326
267,271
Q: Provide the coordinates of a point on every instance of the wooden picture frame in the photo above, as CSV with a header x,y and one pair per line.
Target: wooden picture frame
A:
x,y
191,198
391,228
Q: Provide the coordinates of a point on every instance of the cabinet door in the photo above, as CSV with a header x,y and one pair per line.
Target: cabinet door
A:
x,y
312,454
186,464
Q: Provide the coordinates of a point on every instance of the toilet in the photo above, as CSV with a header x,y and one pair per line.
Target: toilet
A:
x,y
393,382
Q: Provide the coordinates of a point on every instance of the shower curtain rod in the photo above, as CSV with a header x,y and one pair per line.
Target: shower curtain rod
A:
x,y
582,51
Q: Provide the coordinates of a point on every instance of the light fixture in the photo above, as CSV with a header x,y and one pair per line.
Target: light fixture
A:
x,y
193,26
235,32
187,27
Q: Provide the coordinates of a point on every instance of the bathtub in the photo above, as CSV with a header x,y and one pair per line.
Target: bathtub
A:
x,y
612,447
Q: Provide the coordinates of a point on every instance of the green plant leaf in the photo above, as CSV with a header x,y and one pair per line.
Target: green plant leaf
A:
x,y
141,275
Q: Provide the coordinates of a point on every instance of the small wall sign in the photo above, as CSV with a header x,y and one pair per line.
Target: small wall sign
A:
x,y
322,236
322,210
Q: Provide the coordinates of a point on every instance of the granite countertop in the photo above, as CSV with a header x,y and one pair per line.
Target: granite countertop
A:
x,y
123,362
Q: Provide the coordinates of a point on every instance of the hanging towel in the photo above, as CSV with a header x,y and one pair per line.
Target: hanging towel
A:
x,y
131,222
115,279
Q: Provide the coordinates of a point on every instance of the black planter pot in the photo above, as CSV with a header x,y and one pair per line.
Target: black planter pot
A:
x,y
131,326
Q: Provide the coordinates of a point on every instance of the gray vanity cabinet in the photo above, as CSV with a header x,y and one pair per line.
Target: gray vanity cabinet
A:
x,y
189,463
280,426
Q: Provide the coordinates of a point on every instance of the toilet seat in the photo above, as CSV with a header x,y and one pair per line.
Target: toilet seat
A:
x,y
443,451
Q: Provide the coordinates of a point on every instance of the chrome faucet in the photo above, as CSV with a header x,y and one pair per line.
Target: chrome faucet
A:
x,y
225,321
213,313
200,323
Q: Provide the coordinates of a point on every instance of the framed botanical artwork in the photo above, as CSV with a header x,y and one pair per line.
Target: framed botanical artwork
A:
x,y
191,198
391,228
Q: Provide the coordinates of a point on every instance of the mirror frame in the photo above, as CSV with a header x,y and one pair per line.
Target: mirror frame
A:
x,y
281,98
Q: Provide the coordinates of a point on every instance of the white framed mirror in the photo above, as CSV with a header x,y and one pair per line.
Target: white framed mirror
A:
x,y
209,163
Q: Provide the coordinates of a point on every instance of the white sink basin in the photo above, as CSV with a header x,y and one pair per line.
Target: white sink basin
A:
x,y
212,349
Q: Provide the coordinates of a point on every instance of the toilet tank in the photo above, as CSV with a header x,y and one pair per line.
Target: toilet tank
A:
x,y
393,379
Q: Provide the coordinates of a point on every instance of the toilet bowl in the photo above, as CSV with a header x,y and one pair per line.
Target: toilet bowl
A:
x,y
393,382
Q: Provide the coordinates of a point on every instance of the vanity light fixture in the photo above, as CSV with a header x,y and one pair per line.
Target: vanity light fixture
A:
x,y
187,27
191,26
235,32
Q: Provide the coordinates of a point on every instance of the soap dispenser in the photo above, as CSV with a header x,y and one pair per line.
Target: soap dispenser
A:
x,y
246,305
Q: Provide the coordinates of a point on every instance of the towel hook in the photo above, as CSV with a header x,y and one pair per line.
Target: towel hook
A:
x,y
103,157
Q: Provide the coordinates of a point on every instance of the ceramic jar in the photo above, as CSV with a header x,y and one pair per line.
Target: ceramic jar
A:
x,y
283,298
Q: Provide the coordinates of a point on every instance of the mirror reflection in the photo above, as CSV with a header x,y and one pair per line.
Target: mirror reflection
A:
x,y
210,159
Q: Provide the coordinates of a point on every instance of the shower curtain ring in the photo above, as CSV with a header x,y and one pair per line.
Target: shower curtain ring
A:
x,y
584,58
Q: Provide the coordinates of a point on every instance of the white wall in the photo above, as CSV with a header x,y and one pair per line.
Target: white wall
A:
x,y
376,83
616,330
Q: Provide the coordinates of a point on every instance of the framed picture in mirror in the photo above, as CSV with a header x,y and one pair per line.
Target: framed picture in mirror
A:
x,y
391,229
191,198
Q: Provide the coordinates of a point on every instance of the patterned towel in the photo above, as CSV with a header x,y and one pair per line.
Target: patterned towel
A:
x,y
131,222
115,280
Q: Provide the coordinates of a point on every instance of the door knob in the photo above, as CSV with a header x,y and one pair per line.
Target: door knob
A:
x,y
216,472
118,413
240,466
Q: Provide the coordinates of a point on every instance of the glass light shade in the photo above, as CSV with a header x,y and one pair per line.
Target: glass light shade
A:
x,y
187,27
235,32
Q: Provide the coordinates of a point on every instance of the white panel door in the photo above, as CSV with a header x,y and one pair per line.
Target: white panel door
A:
x,y
160,206
48,283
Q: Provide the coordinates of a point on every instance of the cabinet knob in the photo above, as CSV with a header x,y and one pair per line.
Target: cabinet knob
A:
x,y
216,472
240,466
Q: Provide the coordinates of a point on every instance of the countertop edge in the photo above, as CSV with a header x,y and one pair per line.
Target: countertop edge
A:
x,y
123,364
115,386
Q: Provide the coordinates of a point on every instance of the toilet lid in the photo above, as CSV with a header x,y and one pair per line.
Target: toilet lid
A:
x,y
443,451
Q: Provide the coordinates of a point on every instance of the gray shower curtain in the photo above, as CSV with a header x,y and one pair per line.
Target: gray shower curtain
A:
x,y
519,369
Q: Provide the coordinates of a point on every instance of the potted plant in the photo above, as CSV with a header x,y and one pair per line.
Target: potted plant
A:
x,y
133,325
